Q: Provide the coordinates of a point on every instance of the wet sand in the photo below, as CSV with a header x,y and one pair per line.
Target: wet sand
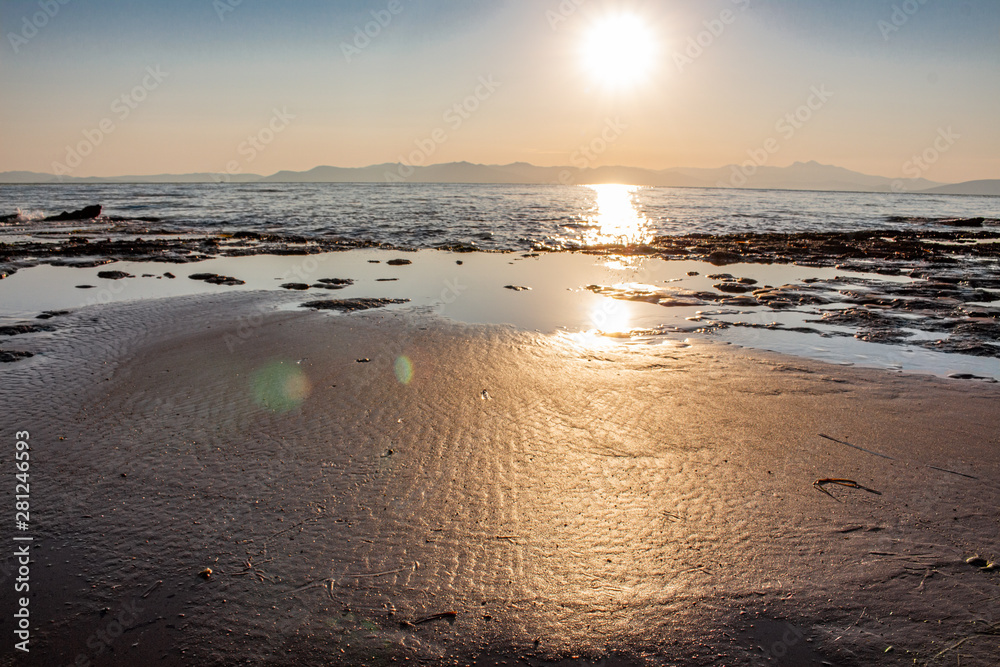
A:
x,y
352,479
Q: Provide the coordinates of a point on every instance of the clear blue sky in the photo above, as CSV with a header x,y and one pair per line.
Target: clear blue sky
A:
x,y
279,72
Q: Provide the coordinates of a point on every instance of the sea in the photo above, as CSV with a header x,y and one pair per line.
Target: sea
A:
x,y
946,324
491,217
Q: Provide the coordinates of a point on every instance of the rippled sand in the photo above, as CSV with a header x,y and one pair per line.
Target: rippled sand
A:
x,y
347,477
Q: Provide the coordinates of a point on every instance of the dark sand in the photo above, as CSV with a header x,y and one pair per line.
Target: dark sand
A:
x,y
607,504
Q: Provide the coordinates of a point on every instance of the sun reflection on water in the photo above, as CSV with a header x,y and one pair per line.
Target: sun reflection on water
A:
x,y
617,220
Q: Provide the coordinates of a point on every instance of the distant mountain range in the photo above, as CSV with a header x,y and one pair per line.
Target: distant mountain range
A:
x,y
798,176
990,187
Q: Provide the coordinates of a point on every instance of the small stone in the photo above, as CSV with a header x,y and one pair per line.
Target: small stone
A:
x,y
114,275
352,305
49,314
215,279
722,258
10,356
733,288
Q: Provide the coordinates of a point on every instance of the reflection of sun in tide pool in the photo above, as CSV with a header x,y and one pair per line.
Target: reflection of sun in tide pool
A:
x,y
617,218
280,386
619,51
611,317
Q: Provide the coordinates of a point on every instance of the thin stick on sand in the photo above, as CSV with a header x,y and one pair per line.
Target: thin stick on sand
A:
x,y
960,474
381,574
151,589
868,451
849,483
884,456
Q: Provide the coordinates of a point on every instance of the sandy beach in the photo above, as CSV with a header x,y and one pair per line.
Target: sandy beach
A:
x,y
547,334
387,486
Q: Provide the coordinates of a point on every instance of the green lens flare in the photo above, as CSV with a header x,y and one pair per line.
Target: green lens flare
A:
x,y
280,386
404,370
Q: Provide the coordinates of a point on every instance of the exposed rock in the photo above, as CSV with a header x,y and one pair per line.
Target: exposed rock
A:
x,y
49,314
722,258
18,329
733,288
352,305
85,213
295,286
333,283
215,279
10,356
114,275
398,262
81,263
517,288
964,222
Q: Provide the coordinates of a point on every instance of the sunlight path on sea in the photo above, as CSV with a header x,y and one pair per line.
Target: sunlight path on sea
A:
x,y
617,219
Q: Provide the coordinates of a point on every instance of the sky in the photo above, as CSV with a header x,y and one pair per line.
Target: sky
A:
x,y
888,87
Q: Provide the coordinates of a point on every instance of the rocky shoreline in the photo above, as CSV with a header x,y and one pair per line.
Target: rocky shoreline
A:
x,y
930,289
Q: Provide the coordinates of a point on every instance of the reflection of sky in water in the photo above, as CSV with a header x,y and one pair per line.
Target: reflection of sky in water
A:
x,y
474,292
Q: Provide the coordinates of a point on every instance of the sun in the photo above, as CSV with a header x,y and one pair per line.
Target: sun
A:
x,y
619,51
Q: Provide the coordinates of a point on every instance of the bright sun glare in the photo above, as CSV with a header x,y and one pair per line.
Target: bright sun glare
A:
x,y
619,51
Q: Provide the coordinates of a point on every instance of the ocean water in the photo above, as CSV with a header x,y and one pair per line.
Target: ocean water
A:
x,y
488,216
574,293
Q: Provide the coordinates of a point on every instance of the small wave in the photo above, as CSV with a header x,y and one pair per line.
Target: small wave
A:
x,y
22,217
